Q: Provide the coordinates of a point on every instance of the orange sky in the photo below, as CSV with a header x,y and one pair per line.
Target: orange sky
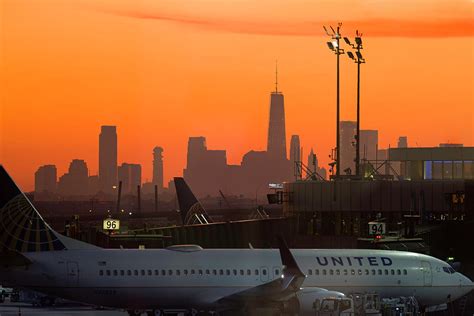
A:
x,y
166,70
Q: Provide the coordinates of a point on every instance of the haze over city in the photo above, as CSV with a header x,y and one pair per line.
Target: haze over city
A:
x,y
164,71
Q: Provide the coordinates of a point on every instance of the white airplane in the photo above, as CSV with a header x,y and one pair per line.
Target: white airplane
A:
x,y
34,256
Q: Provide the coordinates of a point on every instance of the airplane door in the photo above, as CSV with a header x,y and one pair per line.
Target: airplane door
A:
x,y
72,273
427,275
264,274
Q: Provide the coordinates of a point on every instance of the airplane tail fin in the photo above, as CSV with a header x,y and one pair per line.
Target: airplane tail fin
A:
x,y
188,203
22,229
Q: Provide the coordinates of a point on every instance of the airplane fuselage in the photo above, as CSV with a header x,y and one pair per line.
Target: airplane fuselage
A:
x,y
170,278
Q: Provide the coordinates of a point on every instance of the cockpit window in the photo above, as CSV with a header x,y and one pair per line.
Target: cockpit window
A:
x,y
449,270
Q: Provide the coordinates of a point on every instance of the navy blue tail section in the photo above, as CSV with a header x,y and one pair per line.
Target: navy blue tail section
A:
x,y
188,203
22,228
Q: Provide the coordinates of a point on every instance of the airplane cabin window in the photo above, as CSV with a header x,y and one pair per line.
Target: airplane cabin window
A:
x,y
214,272
316,271
208,271
221,272
249,272
178,272
264,271
135,272
380,271
235,272
170,272
324,271
366,272
150,272
129,272
163,272
405,272
331,272
122,272
359,272
241,272
108,272
345,272
142,272
386,272
101,272
392,272
193,271
353,272
399,272
373,272
157,272
115,272
310,272
185,272
201,272
227,271
256,271
277,272
338,272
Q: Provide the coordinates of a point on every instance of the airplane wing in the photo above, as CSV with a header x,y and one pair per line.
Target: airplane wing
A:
x,y
290,282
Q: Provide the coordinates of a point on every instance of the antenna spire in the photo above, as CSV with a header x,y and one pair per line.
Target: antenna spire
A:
x,y
276,76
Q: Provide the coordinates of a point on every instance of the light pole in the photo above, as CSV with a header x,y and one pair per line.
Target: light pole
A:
x,y
358,59
334,46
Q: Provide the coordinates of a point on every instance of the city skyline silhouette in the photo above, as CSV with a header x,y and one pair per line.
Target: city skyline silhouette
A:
x,y
194,74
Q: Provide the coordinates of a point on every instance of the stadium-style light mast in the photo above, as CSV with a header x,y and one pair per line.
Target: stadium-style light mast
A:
x,y
358,59
334,46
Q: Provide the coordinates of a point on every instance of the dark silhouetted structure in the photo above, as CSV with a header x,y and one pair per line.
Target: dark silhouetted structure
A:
x,y
295,155
131,177
369,142
45,182
74,183
347,143
402,142
276,146
108,158
158,168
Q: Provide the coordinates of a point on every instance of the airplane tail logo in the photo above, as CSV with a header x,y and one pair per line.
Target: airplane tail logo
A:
x,y
22,228
188,203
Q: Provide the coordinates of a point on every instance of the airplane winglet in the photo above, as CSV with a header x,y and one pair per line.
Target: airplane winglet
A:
x,y
291,269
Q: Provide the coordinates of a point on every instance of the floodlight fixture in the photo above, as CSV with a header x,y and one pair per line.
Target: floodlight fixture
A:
x,y
351,55
348,42
358,40
359,55
331,47
335,44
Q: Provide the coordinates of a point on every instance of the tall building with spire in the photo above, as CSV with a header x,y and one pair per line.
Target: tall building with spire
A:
x,y
276,145
108,158
158,168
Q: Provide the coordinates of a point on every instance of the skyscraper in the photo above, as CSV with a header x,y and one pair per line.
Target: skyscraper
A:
x,y
369,140
76,181
402,142
312,162
295,156
46,179
158,168
131,176
348,148
108,158
276,145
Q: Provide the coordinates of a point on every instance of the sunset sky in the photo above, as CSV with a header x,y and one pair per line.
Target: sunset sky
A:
x,y
164,70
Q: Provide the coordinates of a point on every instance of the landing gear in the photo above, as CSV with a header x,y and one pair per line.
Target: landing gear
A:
x,y
135,312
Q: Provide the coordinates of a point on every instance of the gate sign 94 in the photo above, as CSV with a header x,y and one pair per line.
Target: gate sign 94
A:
x,y
376,228
111,224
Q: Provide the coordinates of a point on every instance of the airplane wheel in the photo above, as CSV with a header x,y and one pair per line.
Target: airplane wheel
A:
x,y
134,312
156,312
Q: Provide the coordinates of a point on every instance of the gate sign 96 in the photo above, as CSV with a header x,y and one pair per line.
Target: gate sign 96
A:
x,y
111,224
376,228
